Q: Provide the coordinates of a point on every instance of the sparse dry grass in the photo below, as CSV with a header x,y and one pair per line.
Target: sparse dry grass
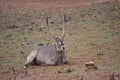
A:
x,y
88,29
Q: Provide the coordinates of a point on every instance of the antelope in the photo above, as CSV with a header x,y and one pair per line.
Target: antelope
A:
x,y
52,54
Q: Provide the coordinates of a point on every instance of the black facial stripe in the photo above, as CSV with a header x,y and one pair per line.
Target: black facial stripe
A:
x,y
62,43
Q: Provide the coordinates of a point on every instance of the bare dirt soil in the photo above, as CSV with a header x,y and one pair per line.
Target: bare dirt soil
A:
x,y
93,34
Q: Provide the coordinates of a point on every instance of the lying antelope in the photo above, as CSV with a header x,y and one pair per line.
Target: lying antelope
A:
x,y
49,54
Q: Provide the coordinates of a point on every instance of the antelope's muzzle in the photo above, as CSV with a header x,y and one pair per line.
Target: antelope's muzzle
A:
x,y
63,47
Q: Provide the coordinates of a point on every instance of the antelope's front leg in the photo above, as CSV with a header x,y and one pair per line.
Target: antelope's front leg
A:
x,y
64,59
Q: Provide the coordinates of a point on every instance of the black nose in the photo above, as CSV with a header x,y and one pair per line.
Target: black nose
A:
x,y
63,48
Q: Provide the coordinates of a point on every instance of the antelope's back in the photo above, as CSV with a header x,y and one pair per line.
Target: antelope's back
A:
x,y
46,53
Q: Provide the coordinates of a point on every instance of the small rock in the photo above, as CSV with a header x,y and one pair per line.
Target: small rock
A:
x,y
9,35
40,29
40,44
59,71
31,29
65,71
12,27
68,71
90,65
21,52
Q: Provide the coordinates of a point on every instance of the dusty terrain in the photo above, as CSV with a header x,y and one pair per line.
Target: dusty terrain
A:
x,y
93,34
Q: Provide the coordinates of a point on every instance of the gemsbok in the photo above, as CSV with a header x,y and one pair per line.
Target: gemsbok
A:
x,y
49,54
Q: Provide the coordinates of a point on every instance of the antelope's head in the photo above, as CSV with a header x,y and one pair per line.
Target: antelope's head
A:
x,y
59,41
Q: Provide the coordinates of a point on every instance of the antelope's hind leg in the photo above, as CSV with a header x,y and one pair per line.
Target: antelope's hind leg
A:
x,y
30,59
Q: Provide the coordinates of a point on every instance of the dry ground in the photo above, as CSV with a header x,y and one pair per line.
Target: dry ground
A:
x,y
93,34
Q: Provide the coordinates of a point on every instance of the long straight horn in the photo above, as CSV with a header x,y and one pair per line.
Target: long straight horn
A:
x,y
64,20
49,27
